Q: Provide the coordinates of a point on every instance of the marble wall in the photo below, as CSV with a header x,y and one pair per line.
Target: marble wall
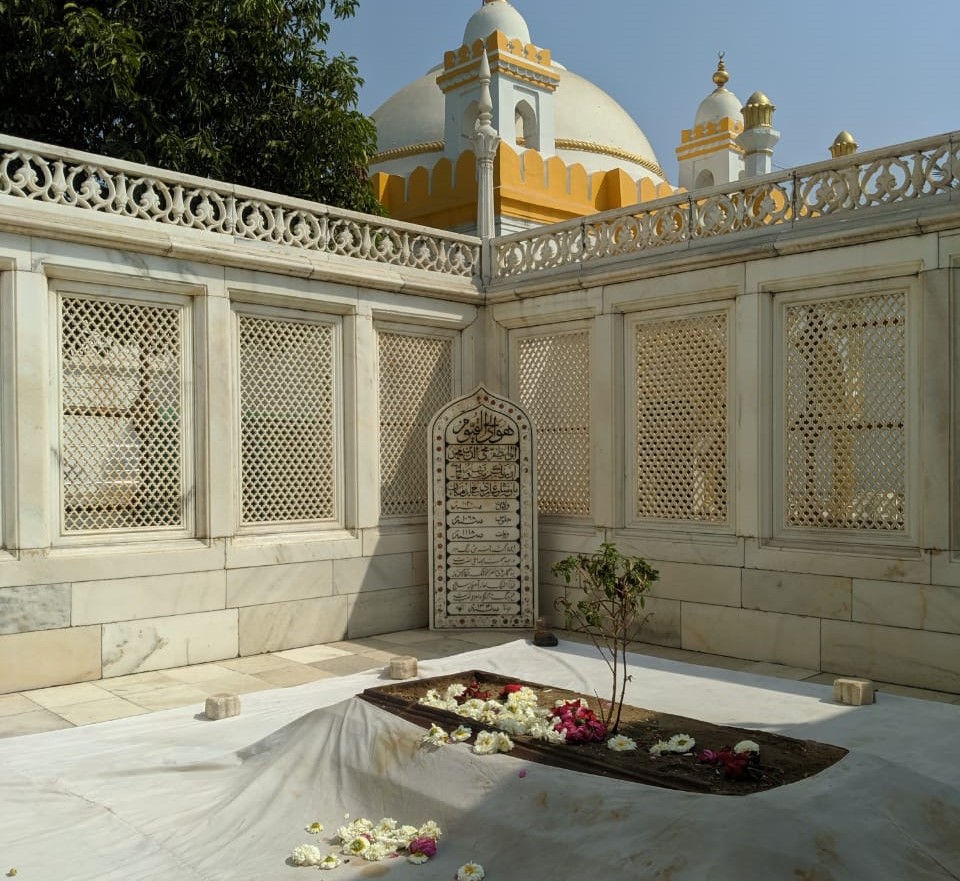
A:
x,y
77,607
879,600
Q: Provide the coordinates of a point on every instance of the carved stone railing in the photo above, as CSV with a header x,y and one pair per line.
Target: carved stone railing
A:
x,y
47,174
859,183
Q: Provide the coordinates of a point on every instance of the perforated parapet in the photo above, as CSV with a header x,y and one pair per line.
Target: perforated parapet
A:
x,y
681,418
121,445
554,388
845,413
416,380
288,430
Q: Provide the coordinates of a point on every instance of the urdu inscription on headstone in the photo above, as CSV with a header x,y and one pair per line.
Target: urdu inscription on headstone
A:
x,y
482,515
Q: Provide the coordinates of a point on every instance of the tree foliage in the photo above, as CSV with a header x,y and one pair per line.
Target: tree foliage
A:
x,y
238,90
610,610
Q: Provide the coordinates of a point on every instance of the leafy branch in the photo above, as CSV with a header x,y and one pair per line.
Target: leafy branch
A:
x,y
611,611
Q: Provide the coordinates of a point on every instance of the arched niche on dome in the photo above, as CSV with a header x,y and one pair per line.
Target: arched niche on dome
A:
x,y
527,126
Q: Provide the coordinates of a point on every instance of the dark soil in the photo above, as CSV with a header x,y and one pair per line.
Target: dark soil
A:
x,y
782,760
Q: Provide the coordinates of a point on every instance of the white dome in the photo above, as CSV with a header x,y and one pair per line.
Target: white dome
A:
x,y
414,115
496,15
585,115
718,105
584,112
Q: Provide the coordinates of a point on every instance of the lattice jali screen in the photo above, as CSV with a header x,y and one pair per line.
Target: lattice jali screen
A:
x,y
416,380
553,378
287,420
845,408
121,390
681,440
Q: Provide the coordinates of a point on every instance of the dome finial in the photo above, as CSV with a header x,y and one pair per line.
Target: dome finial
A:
x,y
720,76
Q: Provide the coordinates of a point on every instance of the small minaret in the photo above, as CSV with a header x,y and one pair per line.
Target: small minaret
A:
x,y
485,141
758,137
708,154
844,144
523,80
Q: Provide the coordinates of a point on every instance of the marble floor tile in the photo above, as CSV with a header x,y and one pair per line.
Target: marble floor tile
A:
x,y
33,722
253,665
405,637
369,644
722,662
380,657
156,678
67,695
926,694
295,674
14,704
487,638
180,694
441,648
238,683
347,665
311,653
667,652
199,673
822,678
779,671
104,710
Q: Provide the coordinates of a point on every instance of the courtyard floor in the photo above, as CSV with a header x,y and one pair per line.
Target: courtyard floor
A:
x,y
86,703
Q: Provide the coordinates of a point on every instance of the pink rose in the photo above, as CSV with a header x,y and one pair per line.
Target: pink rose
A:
x,y
426,846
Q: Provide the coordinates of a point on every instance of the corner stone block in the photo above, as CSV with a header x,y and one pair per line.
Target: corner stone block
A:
x,y
222,706
854,692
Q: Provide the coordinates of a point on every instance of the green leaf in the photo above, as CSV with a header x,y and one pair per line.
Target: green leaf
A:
x,y
239,90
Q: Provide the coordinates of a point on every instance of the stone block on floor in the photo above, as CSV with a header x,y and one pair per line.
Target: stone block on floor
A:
x,y
853,692
222,706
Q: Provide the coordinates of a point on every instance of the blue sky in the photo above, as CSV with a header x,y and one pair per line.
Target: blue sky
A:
x,y
888,72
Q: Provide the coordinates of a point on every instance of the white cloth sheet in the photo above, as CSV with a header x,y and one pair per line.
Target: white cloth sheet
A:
x,y
171,796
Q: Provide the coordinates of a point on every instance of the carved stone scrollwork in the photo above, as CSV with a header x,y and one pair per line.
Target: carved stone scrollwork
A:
x,y
856,183
170,199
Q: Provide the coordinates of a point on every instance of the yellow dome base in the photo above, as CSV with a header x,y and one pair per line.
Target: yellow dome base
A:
x,y
526,187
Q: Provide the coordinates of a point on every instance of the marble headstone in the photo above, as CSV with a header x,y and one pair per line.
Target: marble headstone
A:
x,y
483,527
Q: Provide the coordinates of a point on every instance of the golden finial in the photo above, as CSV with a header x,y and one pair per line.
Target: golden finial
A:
x,y
720,76
758,111
844,144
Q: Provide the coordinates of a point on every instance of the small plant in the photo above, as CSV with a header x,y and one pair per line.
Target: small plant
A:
x,y
611,611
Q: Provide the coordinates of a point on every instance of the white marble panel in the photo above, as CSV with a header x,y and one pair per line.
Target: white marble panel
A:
x,y
744,633
34,607
820,596
828,558
49,657
892,654
395,539
717,585
49,566
159,643
663,626
375,573
384,611
549,593
280,583
278,626
919,606
711,549
265,550
157,596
